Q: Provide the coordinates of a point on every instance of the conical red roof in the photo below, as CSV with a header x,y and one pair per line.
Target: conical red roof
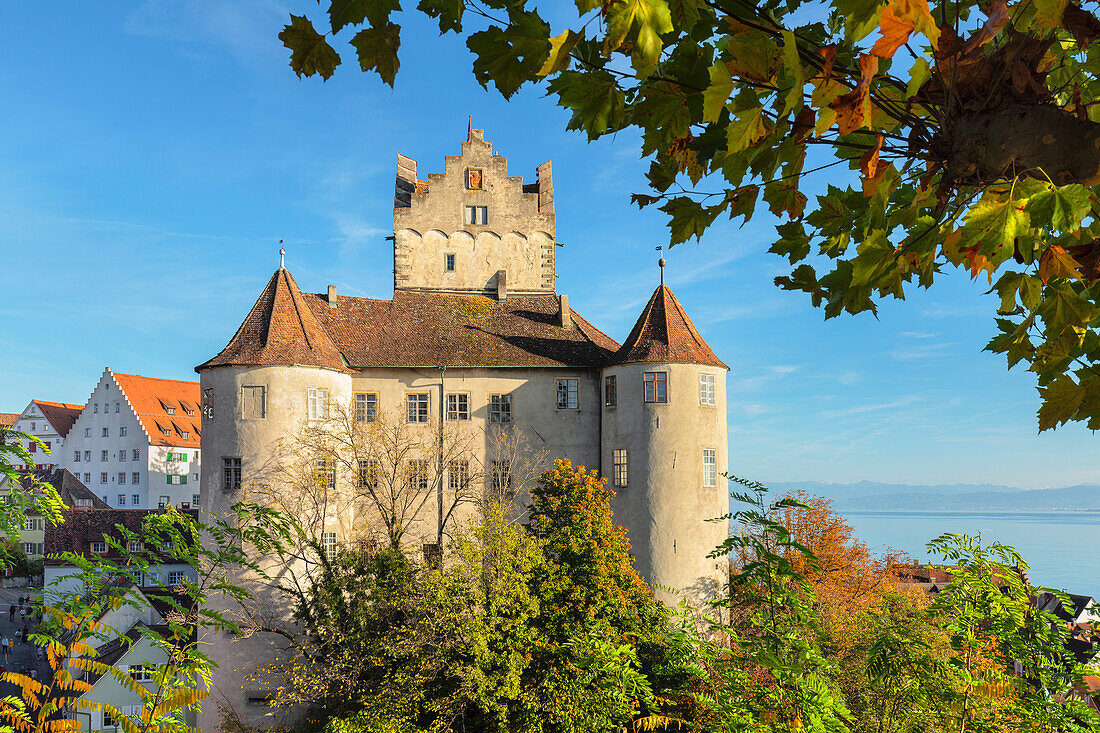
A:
x,y
664,333
280,330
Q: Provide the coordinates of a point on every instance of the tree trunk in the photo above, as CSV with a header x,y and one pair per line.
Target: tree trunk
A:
x,y
1037,141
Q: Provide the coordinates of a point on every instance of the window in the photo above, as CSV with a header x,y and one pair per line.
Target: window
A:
x,y
567,394
416,475
500,408
318,403
108,720
458,407
610,392
324,473
231,473
477,215
163,501
656,386
87,455
104,455
366,406
458,476
116,408
122,477
141,673
328,544
106,432
28,548
449,262
135,478
710,467
367,477
76,456
103,477
500,472
34,426
83,503
135,499
417,405
706,389
95,408
474,180
99,547
170,410
189,411
175,479
122,432
87,478
619,460
122,455
32,447
122,499
135,545
254,403
135,455
29,524
175,577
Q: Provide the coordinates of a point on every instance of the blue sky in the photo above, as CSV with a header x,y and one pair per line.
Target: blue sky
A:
x,y
155,153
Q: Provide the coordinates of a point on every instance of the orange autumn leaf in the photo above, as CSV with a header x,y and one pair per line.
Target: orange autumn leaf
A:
x,y
850,107
977,263
868,164
996,18
895,32
1057,262
829,54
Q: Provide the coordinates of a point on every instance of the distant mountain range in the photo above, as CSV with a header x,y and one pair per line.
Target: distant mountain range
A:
x,y
874,496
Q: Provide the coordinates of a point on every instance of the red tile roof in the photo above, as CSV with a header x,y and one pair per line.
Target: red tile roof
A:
x,y
279,330
152,398
288,327
664,333
85,526
7,419
60,415
68,486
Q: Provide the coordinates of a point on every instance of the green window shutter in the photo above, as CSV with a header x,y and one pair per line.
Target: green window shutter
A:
x,y
183,479
169,456
183,457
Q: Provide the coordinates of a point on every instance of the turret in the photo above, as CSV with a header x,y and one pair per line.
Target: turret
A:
x,y
664,449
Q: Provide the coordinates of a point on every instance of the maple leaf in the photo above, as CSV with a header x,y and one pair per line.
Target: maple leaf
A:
x,y
1063,206
510,56
851,107
309,51
996,18
868,164
560,47
1057,262
377,49
742,201
1061,400
1082,24
894,30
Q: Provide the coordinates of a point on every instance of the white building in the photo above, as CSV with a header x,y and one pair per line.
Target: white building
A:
x,y
50,422
136,442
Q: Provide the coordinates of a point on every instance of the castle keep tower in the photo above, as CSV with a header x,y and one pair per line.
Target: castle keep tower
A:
x,y
663,446
460,230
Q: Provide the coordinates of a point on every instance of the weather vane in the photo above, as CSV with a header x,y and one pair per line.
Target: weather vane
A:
x,y
661,264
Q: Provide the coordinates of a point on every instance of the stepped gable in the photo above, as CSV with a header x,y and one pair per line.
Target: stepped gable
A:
x,y
280,330
419,329
665,334
167,408
60,415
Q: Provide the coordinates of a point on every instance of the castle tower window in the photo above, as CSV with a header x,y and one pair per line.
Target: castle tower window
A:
x,y
477,215
474,180
231,473
610,392
449,262
318,403
458,407
706,389
122,477
710,467
567,394
366,406
136,455
417,405
619,461
500,408
656,386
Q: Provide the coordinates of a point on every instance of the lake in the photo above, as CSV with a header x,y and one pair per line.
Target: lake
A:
x,y
1062,547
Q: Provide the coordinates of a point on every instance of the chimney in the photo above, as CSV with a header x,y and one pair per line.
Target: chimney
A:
x,y
565,316
502,285
332,302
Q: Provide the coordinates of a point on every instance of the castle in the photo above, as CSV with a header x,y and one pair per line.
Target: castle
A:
x,y
476,333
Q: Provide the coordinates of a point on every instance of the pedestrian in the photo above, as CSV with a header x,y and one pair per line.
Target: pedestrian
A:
x,y
34,673
11,646
24,633
22,614
11,613
19,635
5,643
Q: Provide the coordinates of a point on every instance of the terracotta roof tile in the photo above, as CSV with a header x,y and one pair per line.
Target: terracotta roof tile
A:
x,y
85,526
429,329
69,487
665,333
151,399
7,419
60,415
279,330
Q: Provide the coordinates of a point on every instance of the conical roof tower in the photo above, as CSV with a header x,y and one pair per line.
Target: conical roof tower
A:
x,y
665,334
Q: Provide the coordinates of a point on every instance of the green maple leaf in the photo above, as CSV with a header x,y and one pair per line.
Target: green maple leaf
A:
x,y
1013,341
641,22
784,196
793,71
742,201
447,12
717,92
377,48
310,53
744,131
353,12
1064,308
597,103
689,218
1061,400
685,13
993,224
512,56
793,242
1063,206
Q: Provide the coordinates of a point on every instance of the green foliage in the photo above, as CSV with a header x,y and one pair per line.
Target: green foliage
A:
x,y
24,493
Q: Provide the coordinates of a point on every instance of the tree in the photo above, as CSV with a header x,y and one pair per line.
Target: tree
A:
x,y
968,128
24,492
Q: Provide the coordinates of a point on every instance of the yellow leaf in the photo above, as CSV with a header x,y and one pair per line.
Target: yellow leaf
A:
x,y
894,32
1057,262
560,47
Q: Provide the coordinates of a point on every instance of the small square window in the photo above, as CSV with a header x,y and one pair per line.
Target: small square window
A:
x,y
477,215
122,478
458,407
76,456
175,577
231,473
99,547
122,499
368,474
500,408
254,403
366,406
656,386
417,404
416,475
449,262
567,394
103,477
